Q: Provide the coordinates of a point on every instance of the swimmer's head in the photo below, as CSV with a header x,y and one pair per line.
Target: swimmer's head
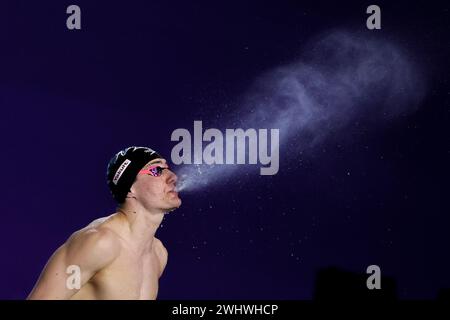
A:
x,y
141,174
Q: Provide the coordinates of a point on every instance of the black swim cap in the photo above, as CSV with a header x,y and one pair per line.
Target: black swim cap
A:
x,y
124,167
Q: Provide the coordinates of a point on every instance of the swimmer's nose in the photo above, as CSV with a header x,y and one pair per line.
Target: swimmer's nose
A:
x,y
172,178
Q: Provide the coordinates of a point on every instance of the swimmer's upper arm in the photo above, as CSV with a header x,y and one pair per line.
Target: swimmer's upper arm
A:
x,y
90,250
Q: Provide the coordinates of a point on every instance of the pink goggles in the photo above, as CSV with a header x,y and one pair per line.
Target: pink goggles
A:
x,y
154,171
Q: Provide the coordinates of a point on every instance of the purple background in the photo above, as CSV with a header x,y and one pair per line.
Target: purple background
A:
x,y
138,70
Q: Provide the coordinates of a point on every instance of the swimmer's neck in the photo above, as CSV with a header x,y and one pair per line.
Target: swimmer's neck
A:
x,y
140,226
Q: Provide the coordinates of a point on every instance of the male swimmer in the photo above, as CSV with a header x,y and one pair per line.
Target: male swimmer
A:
x,y
118,256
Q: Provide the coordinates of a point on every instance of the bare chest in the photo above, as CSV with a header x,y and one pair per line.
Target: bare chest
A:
x,y
130,276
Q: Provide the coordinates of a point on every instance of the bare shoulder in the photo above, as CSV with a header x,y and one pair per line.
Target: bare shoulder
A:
x,y
162,253
99,242
98,233
160,248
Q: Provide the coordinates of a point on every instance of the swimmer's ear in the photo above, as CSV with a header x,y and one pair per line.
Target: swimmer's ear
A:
x,y
131,194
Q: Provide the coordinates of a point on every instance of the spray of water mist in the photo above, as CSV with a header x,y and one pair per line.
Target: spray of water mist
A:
x,y
338,78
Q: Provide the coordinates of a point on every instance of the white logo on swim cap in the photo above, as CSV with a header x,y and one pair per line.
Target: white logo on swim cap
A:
x,y
120,171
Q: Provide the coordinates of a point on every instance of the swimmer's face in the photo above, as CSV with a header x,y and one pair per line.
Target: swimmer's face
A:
x,y
157,192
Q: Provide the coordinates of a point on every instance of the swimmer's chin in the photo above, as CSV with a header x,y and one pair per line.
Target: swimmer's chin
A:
x,y
174,208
